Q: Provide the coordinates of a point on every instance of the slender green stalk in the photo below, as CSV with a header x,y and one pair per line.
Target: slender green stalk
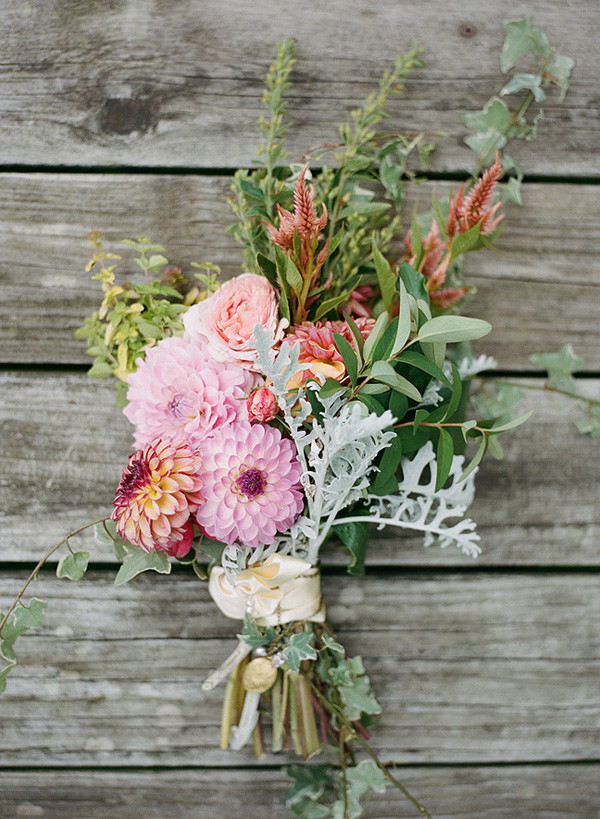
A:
x,y
35,571
340,715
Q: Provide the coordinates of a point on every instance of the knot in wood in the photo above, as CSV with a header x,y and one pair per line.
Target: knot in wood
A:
x,y
468,30
126,115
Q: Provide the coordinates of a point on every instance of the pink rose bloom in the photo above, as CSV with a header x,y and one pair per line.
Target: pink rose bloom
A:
x,y
181,392
226,320
262,405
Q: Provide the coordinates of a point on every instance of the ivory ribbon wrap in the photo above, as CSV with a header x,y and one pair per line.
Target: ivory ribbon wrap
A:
x,y
279,590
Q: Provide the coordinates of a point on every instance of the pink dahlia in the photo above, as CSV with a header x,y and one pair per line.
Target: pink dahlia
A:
x,y
179,391
252,488
318,348
159,490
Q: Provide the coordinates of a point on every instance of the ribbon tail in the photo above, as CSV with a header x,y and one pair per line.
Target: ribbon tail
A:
x,y
241,733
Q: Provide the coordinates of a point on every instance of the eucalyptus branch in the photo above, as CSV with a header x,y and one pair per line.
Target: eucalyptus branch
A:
x,y
35,571
546,387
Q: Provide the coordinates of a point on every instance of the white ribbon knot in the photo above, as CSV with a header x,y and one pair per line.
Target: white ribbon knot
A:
x,y
279,590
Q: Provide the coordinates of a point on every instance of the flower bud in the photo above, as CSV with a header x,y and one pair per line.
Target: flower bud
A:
x,y
262,405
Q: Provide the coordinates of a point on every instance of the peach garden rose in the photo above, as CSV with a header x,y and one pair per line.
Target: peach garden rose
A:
x,y
225,321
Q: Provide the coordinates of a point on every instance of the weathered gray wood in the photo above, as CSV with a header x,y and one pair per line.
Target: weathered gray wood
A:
x,y
468,669
543,292
127,83
546,792
65,445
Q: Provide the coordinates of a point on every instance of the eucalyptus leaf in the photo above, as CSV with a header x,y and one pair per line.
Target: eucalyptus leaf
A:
x,y
384,372
403,329
444,457
348,356
453,328
385,277
375,334
354,537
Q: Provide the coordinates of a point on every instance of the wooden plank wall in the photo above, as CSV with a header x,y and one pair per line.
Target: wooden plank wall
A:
x,y
130,115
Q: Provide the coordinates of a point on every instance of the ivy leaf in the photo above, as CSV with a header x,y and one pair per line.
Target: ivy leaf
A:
x,y
106,533
73,566
298,649
354,537
361,779
529,82
559,72
253,636
23,619
332,645
310,783
564,362
358,698
521,39
590,424
137,561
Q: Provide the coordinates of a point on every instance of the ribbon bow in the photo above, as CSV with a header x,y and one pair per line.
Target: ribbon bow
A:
x,y
279,590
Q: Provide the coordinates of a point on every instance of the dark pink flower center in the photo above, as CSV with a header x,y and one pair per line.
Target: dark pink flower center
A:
x,y
135,476
252,482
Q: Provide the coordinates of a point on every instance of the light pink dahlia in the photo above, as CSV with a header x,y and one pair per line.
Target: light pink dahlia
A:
x,y
179,391
252,488
159,490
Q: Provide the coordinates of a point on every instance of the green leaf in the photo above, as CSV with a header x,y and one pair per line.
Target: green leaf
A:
x,y
23,619
254,636
464,242
435,352
373,389
330,387
529,82
383,372
354,537
358,697
361,779
559,72
157,261
73,566
415,238
359,341
293,277
298,649
348,356
385,277
522,38
564,362
494,116
403,329
419,361
516,422
375,334
456,394
331,304
137,561
512,190
100,370
310,783
413,281
453,328
444,457
476,459
388,466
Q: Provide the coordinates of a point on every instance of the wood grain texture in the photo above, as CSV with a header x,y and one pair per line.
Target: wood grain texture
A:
x,y
513,792
180,83
65,446
468,670
542,292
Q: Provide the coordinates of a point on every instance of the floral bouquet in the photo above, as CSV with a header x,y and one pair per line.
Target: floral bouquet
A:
x,y
309,398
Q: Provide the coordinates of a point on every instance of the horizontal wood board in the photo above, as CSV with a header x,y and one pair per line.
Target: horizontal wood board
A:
x,y
542,291
66,445
114,675
116,83
543,791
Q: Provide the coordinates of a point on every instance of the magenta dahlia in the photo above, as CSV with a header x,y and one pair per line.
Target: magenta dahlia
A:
x,y
251,484
179,391
159,490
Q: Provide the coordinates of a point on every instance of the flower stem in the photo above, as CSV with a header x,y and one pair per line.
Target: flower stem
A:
x,y
35,571
340,715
